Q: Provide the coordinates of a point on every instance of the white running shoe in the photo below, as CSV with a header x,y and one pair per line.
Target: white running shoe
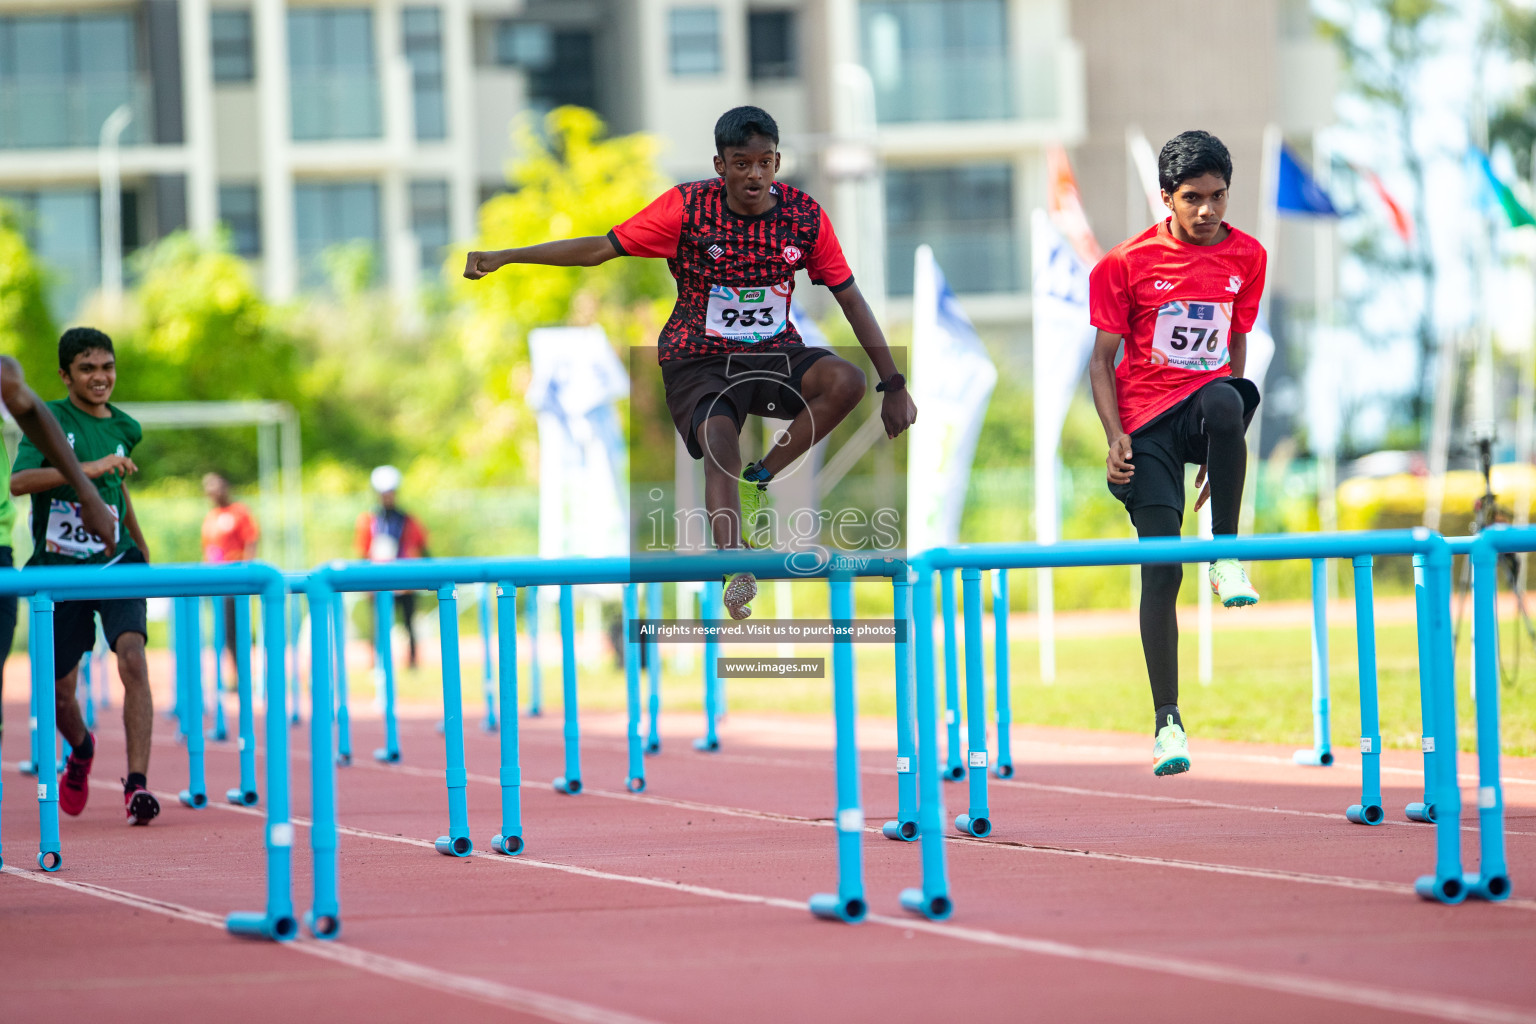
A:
x,y
1229,582
1170,753
739,590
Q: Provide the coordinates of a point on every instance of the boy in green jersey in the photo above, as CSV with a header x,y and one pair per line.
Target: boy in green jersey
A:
x,y
103,438
39,426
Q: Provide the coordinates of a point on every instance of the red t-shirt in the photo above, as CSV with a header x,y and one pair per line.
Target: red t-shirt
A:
x,y
1175,304
735,274
229,533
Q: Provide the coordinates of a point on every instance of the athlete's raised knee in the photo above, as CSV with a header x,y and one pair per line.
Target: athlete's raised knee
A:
x,y
1222,409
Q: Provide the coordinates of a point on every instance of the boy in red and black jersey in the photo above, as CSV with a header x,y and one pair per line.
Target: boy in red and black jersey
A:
x,y
1182,296
729,350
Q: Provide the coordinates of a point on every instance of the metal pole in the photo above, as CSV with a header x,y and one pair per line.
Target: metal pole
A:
x,y
932,898
49,852
954,770
324,917
189,675
570,782
653,597
220,728
710,741
486,667
1321,754
339,650
1424,811
457,842
110,172
905,826
384,620
977,820
848,904
1491,881
510,839
246,793
635,782
1004,680
1368,811
535,669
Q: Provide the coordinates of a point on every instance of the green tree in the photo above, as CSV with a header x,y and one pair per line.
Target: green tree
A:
x,y
1387,47
27,330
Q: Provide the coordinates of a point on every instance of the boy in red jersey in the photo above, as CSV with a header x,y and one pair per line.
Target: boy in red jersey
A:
x,y
734,243
1182,296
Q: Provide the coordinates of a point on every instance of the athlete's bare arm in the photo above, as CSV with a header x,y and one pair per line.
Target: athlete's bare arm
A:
x,y
1101,374
38,424
587,251
897,411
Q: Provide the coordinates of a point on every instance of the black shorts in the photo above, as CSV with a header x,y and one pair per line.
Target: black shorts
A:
x,y
74,622
737,385
1160,449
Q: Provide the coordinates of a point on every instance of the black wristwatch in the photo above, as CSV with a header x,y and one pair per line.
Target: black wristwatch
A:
x,y
895,382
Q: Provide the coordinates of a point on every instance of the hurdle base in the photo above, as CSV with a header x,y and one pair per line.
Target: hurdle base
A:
x,y
218,735
954,773
454,846
1368,814
1494,888
570,787
1313,758
1004,770
901,831
50,860
27,767
324,926
241,797
535,712
636,784
934,908
440,728
653,746
386,756
978,825
259,926
831,907
1442,890
509,845
196,801
705,745
344,760
489,726
1420,812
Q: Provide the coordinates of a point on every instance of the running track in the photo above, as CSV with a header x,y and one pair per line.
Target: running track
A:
x,y
1235,893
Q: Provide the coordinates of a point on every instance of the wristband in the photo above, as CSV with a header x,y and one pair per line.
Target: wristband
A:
x,y
895,382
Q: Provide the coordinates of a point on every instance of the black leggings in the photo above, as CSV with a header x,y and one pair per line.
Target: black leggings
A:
x,y
1221,410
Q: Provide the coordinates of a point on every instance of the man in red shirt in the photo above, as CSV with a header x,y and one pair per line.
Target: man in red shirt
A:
x,y
1182,297
734,243
388,533
229,535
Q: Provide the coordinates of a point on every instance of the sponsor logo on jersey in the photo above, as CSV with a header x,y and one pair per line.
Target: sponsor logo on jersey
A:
x,y
1162,286
715,251
792,254
1234,283
71,439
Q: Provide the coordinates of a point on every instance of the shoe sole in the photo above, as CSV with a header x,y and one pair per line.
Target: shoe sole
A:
x,y
1240,601
143,809
1172,766
736,603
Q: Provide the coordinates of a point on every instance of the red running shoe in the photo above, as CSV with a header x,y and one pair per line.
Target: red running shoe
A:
x,y
141,805
75,786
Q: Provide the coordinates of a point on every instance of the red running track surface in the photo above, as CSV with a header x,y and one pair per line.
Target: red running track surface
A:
x,y
1235,893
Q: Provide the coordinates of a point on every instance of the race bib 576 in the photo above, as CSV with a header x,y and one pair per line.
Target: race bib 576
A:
x,y
752,313
1192,335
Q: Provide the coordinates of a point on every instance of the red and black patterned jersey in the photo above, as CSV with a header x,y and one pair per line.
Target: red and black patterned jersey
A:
x,y
735,274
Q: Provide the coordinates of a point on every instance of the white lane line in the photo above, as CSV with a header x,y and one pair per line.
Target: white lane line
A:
x,y
508,997
1267,874
1352,993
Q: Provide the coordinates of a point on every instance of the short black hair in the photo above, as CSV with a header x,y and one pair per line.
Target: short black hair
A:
x,y
738,125
1192,155
82,339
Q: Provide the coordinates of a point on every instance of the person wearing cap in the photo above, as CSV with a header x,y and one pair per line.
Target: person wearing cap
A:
x,y
388,533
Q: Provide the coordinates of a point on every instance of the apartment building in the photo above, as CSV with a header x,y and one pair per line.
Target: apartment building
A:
x,y
304,125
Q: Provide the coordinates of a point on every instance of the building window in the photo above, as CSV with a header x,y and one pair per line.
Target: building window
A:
x,y
334,217
234,57
61,76
240,210
334,81
694,34
63,228
560,64
771,45
424,49
938,60
429,223
965,213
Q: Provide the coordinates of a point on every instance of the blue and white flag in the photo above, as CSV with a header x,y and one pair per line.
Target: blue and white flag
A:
x,y
952,381
1298,192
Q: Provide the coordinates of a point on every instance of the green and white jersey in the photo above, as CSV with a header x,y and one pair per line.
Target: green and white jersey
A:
x,y
58,535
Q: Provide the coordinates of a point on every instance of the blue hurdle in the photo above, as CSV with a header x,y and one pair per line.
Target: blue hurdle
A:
x,y
220,727
384,670
1320,754
846,904
1447,884
44,586
535,663
653,599
487,670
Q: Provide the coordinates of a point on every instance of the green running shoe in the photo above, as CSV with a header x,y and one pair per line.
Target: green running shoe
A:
x,y
1229,582
754,503
1170,754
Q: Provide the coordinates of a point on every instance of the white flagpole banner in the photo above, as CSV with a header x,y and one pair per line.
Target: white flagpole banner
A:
x,y
952,381
1063,340
583,502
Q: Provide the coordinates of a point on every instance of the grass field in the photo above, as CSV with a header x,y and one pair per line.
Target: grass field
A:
x,y
1262,688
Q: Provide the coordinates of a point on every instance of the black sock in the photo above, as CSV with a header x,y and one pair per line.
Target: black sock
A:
x,y
135,780
1163,713
86,750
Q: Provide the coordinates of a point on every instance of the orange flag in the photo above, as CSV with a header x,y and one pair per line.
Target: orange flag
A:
x,y
1066,205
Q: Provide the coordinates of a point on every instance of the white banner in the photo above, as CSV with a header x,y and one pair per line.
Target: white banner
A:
x,y
583,501
952,381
